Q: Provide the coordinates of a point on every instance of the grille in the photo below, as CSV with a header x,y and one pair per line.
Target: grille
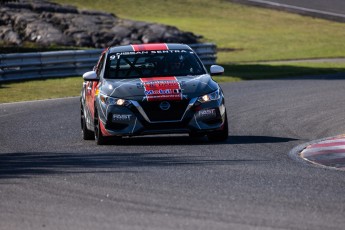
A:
x,y
155,113
117,126
165,126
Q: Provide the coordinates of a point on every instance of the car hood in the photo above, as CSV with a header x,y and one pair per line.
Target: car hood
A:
x,y
157,88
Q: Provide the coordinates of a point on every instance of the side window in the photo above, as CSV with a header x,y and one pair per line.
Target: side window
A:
x,y
100,64
98,68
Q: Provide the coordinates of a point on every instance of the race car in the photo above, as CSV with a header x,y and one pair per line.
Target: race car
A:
x,y
149,89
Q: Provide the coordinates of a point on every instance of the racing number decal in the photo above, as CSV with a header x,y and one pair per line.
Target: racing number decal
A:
x,y
162,88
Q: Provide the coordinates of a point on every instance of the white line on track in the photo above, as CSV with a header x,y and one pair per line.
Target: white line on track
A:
x,y
296,8
41,100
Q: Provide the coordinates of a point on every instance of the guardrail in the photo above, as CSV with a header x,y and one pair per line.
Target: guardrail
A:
x,y
24,66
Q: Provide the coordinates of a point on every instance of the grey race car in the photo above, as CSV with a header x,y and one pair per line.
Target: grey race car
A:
x,y
152,89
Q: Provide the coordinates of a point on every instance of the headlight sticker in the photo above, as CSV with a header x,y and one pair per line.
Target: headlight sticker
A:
x,y
210,97
113,101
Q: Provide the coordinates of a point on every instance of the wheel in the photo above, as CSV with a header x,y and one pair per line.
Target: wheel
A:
x,y
86,134
220,135
99,138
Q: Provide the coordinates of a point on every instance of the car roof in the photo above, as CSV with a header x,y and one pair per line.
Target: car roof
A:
x,y
148,47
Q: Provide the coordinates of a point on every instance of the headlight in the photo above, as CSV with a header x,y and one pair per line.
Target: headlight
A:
x,y
210,97
113,101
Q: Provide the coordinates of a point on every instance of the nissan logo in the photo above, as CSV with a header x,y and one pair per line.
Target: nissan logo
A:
x,y
164,105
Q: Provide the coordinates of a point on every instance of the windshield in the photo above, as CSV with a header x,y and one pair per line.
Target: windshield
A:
x,y
153,63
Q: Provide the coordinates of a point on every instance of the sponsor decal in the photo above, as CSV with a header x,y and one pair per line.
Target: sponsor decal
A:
x,y
207,113
162,91
117,55
162,83
122,117
147,47
161,88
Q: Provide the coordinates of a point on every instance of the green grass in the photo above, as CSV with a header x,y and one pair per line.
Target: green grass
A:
x,y
255,33
40,89
245,36
258,71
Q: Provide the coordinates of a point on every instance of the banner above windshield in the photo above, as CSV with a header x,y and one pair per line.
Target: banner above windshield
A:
x,y
150,63
117,55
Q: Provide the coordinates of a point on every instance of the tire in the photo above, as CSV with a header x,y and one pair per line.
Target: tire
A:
x,y
86,134
99,138
220,135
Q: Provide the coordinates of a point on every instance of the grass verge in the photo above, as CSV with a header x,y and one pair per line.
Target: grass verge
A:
x,y
259,71
40,89
255,34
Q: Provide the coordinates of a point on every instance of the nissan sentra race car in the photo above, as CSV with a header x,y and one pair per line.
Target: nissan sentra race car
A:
x,y
152,89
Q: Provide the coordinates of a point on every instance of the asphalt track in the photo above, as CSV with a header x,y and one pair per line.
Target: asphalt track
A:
x,y
331,6
330,9
51,179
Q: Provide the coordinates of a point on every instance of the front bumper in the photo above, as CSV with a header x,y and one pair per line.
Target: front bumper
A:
x,y
138,118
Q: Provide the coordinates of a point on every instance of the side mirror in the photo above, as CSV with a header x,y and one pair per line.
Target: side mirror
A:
x,y
216,70
90,76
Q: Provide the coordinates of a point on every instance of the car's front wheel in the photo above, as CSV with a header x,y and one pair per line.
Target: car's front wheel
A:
x,y
99,138
220,135
86,134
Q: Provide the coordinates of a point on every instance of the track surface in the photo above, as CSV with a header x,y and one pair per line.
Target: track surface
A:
x,y
330,9
51,179
332,6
